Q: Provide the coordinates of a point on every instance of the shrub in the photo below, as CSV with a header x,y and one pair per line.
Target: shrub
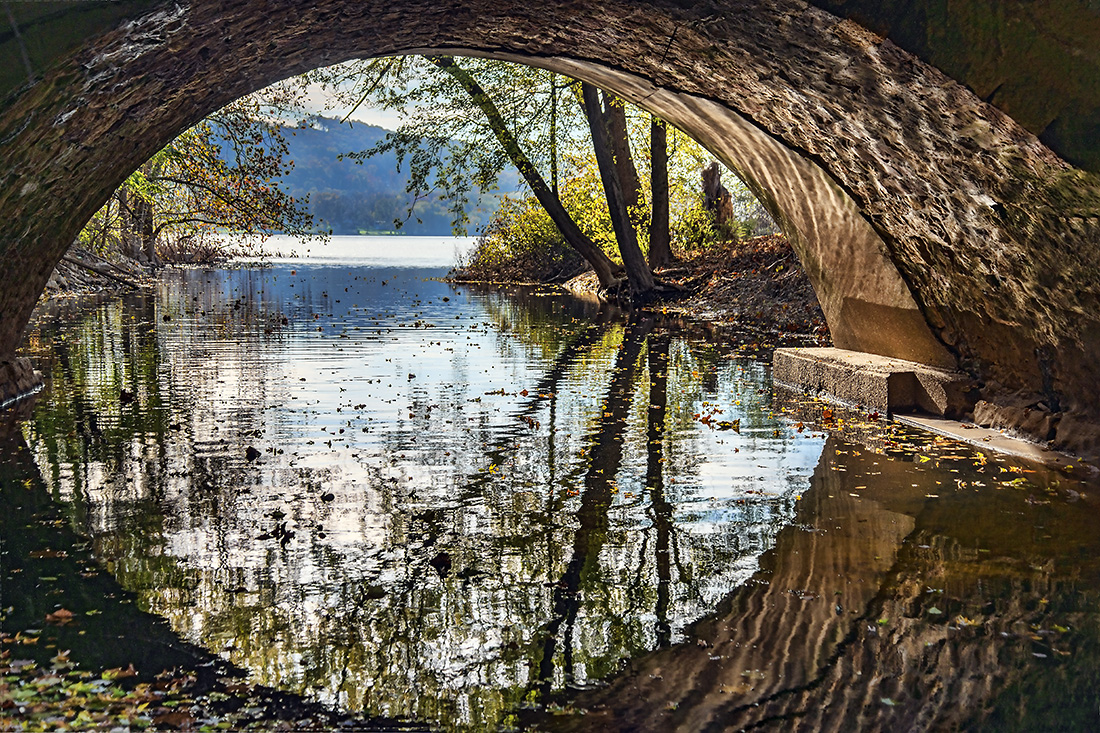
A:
x,y
697,228
521,243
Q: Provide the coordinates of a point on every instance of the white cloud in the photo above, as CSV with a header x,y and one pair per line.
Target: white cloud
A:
x,y
319,101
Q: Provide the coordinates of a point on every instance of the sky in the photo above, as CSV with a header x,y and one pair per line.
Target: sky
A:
x,y
317,99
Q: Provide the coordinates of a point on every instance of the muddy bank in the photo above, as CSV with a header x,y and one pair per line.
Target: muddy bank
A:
x,y
82,272
754,290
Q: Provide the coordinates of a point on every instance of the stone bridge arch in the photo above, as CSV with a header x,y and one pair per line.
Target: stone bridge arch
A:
x,y
936,227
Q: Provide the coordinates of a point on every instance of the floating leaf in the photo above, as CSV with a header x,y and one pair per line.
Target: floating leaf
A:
x,y
118,673
40,554
60,617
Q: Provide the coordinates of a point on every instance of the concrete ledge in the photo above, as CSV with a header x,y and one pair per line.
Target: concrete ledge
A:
x,y
18,379
1002,442
876,382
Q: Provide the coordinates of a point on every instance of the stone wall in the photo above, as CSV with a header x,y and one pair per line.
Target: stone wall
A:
x,y
994,236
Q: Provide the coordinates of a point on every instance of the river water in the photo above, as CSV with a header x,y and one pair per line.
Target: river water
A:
x,y
497,509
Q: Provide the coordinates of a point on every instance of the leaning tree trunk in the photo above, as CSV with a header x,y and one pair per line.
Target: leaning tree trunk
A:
x,y
637,271
660,244
615,116
606,270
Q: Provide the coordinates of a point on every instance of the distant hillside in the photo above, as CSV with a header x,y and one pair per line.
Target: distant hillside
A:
x,y
351,197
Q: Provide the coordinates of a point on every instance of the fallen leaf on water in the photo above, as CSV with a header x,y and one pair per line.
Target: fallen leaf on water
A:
x,y
39,554
60,617
119,673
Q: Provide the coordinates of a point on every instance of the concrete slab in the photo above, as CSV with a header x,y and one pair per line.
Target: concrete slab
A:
x,y
1001,442
875,382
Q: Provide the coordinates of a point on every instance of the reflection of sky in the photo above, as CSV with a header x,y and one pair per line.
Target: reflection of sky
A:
x,y
400,252
386,410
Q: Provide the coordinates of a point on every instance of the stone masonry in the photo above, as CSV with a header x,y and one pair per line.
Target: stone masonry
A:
x,y
935,227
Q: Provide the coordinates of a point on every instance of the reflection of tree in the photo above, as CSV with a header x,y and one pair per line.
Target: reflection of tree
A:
x,y
660,510
105,392
604,458
44,566
882,608
540,321
351,617
508,441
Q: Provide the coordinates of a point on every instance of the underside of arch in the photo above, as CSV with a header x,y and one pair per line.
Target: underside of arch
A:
x,y
867,304
934,226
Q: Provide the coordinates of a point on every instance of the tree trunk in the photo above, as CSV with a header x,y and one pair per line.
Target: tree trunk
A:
x,y
615,114
715,196
143,221
606,270
637,271
554,132
127,225
660,242
106,228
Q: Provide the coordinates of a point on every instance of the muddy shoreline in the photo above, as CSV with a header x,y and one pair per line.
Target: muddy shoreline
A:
x,y
751,291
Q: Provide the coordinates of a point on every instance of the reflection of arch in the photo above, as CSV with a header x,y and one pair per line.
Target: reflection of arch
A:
x,y
840,629
934,227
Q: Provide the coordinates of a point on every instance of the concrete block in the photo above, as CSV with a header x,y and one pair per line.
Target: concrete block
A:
x,y
876,382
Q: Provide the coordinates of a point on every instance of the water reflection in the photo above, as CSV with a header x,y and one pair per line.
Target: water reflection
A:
x,y
404,498
931,589
508,509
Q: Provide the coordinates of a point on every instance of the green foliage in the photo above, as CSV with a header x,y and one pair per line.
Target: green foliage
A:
x,y
221,175
512,244
697,228
583,197
521,243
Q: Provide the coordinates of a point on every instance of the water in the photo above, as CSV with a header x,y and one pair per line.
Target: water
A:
x,y
498,509
379,251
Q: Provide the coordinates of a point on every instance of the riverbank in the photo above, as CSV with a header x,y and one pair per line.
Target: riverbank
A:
x,y
754,289
82,272
751,289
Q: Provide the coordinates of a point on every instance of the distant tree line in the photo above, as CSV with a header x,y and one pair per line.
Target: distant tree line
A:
x,y
603,179
606,182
